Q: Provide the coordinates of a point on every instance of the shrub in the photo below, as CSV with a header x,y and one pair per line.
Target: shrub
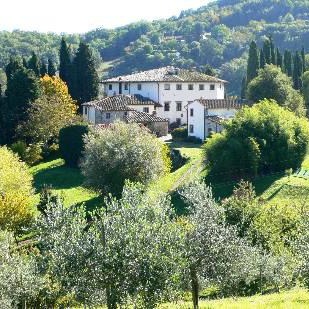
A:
x,y
193,139
30,154
71,143
15,191
265,138
177,159
120,152
179,133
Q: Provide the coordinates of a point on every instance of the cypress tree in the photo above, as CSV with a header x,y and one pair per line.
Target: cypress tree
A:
x,y
34,64
65,68
273,51
267,51
86,81
25,63
279,58
43,69
297,71
303,58
51,68
253,62
262,59
243,87
12,67
288,63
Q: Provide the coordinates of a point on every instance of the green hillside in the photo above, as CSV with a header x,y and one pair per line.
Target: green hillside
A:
x,y
217,34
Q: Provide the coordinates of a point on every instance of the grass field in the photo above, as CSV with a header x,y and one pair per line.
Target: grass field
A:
x,y
293,299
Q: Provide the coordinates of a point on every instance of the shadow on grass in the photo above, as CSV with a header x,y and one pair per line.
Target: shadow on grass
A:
x,y
59,177
93,204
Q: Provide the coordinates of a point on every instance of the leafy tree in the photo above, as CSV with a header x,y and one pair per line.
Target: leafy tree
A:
x,y
51,68
15,192
253,62
288,63
65,68
20,282
22,89
123,151
297,71
271,83
86,81
214,251
265,138
43,68
71,143
34,64
53,110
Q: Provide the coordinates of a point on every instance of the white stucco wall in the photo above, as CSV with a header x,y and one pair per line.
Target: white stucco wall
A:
x,y
197,120
156,91
140,108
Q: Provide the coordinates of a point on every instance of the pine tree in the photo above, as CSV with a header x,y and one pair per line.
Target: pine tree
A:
x,y
86,81
243,87
288,63
262,59
253,62
43,69
267,51
279,58
297,71
65,69
51,68
34,64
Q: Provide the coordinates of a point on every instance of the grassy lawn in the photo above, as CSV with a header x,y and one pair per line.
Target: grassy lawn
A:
x,y
296,298
68,182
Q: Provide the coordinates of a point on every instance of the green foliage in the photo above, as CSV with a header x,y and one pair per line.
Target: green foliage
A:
x,y
71,143
297,71
34,64
265,138
305,89
30,154
65,68
253,62
51,68
179,134
85,80
123,151
271,83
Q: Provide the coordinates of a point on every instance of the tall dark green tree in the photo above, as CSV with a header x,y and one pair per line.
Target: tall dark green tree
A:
x,y
253,62
297,71
273,51
65,68
12,67
86,81
43,68
288,63
22,89
267,51
25,62
243,87
262,59
303,58
279,59
51,68
34,64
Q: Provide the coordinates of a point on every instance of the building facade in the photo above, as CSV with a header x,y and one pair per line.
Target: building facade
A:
x,y
172,88
207,116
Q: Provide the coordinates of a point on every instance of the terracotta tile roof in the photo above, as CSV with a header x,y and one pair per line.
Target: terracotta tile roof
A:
x,y
121,102
141,117
226,103
166,74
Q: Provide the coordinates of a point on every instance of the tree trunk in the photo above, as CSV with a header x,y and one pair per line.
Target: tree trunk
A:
x,y
111,302
194,287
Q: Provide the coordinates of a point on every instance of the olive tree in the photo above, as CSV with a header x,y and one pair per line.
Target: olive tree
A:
x,y
119,152
214,251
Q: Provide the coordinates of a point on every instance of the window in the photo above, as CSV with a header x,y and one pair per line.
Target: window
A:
x,y
220,86
178,86
139,86
167,87
146,110
108,115
201,87
110,87
126,86
190,87
167,106
86,110
212,87
191,112
191,128
178,106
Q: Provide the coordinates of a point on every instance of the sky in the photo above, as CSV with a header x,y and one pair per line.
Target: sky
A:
x,y
78,16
